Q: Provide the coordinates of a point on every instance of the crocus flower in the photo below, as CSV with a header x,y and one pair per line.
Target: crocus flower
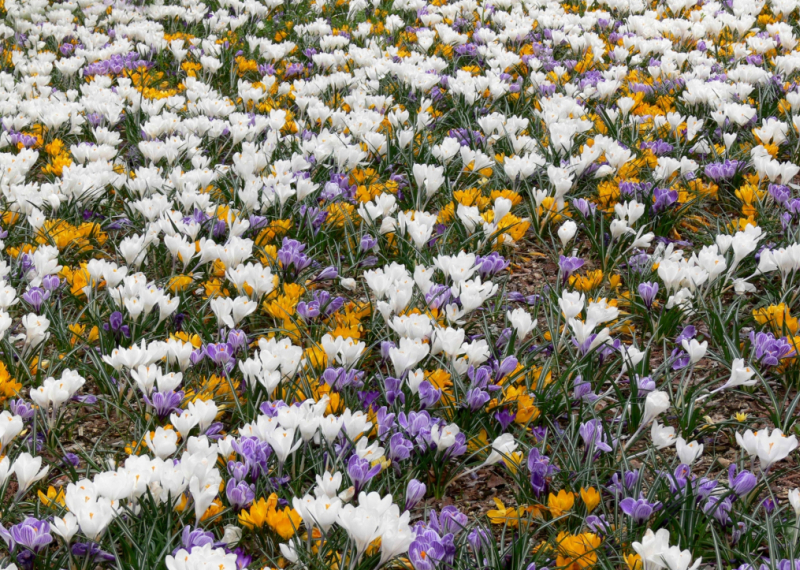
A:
x,y
360,472
639,509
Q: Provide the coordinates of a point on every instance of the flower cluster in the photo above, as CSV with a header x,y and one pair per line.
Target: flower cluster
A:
x,y
492,284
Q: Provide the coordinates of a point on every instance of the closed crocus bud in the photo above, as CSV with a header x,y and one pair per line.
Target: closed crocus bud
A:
x,y
507,366
567,231
289,552
347,495
794,500
741,482
5,469
415,492
648,292
522,322
656,403
28,470
327,273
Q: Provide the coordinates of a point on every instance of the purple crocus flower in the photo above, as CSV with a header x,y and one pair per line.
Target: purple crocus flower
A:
x,y
115,320
449,521
35,297
240,494
491,265
119,223
51,282
385,421
428,394
71,460
26,263
400,448
639,509
658,147
506,366
586,208
438,296
458,448
648,292
220,353
197,356
255,454
164,403
308,311
719,508
623,483
569,265
427,550
768,350
92,551
291,253
21,408
115,325
195,537
687,333
271,409
645,384
736,534
721,170
386,347
583,390
781,194
479,538
394,392
664,198
479,376
327,274
680,359
32,534
237,339
220,229
243,559
741,483
477,398
505,418
594,436
257,222
503,338
367,242
415,492
415,423
679,478
361,472
237,470
368,397
540,468
333,377
598,524
705,486
331,190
